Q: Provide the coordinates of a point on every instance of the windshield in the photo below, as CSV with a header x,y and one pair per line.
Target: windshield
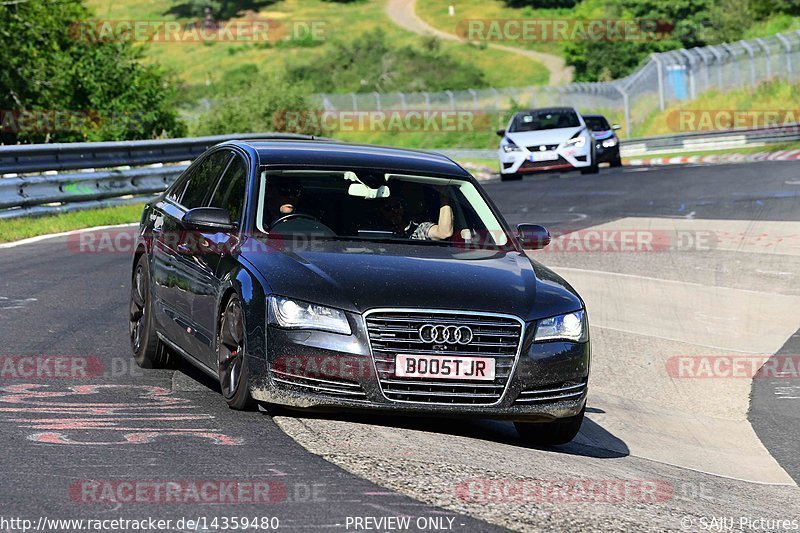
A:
x,y
376,205
544,120
597,123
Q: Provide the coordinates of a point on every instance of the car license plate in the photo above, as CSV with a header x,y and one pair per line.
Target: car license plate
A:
x,y
547,155
444,367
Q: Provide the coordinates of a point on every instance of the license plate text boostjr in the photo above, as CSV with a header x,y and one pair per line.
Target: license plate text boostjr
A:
x,y
445,367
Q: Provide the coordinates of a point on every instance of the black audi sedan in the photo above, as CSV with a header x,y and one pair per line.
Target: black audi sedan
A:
x,y
322,275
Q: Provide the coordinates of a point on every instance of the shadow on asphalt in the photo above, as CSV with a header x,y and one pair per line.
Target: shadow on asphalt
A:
x,y
593,440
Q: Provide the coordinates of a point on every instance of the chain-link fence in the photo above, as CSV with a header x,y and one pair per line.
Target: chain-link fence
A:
x,y
664,78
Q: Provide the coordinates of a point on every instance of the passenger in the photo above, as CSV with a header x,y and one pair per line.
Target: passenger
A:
x,y
394,211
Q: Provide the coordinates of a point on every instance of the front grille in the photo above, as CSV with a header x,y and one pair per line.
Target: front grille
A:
x,y
569,390
327,387
397,332
530,165
538,147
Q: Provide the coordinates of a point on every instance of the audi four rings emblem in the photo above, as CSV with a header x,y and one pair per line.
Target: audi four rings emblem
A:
x,y
438,333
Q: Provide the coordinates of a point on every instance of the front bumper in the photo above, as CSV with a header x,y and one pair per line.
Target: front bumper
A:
x,y
607,155
569,158
325,371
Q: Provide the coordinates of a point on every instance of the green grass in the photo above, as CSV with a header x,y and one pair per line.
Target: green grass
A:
x,y
435,13
199,64
22,228
768,96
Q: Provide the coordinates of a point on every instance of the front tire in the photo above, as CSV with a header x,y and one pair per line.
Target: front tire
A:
x,y
617,161
148,351
550,433
232,357
594,168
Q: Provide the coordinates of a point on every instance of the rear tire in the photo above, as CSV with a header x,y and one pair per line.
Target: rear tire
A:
x,y
148,351
550,433
514,176
232,357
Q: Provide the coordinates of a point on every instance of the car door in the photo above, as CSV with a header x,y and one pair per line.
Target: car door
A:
x,y
213,257
178,274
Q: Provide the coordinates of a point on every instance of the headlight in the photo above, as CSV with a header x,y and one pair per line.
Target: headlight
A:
x,y
609,143
510,148
303,315
576,142
569,327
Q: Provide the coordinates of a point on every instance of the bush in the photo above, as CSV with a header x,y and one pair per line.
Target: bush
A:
x,y
371,64
260,103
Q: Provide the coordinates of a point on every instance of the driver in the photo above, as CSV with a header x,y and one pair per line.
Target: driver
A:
x,y
394,211
283,196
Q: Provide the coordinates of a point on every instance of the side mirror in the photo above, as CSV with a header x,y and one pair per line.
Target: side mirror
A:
x,y
501,133
533,236
616,127
208,218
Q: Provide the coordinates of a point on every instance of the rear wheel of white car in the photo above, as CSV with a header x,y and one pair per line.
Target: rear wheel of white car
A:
x,y
550,433
514,176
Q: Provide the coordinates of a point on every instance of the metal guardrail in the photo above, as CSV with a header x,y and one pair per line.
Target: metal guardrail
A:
x,y
28,158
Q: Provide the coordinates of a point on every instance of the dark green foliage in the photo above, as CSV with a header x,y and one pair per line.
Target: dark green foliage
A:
x,y
99,90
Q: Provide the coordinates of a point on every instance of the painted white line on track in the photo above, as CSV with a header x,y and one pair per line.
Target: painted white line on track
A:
x,y
31,240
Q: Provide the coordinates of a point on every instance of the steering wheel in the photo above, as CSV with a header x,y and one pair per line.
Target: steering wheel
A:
x,y
300,216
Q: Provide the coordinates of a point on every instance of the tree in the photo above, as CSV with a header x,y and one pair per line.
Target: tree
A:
x,y
76,88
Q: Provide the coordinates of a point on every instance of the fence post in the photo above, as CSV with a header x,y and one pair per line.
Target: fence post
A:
x,y
377,100
427,101
728,48
474,99
355,101
626,106
718,59
749,49
787,47
660,69
452,100
767,58
402,100
690,71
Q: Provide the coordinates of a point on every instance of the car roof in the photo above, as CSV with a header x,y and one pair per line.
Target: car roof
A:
x,y
315,152
549,109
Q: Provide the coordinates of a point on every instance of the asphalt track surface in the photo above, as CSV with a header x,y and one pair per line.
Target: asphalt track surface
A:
x,y
63,437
